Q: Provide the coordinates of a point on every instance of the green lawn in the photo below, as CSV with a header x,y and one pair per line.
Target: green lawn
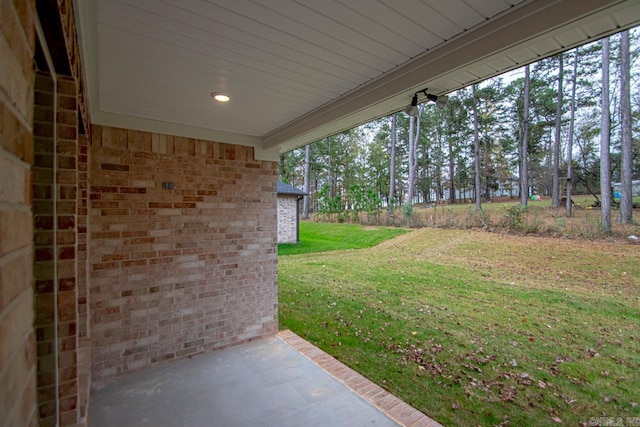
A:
x,y
322,237
477,328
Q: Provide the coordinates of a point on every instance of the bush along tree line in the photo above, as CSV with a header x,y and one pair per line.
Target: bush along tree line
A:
x,y
563,126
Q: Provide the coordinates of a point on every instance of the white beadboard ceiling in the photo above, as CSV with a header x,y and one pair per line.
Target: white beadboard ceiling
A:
x,y
301,70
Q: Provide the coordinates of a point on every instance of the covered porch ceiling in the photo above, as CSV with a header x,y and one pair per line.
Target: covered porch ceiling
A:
x,y
300,70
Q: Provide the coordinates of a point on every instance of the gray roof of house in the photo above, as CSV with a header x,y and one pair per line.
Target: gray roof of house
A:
x,y
289,189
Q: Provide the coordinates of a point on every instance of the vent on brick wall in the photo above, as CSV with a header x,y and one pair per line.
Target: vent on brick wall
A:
x,y
167,185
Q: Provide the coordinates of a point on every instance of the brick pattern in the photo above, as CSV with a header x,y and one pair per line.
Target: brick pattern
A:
x,y
401,412
67,18
67,218
55,292
287,219
43,212
82,199
17,340
176,272
84,317
69,33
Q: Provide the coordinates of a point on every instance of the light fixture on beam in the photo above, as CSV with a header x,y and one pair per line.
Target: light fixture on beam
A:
x,y
220,97
412,109
440,101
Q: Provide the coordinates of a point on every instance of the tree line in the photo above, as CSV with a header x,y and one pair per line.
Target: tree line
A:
x,y
564,125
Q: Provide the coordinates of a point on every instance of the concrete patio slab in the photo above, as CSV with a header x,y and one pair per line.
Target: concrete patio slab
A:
x,y
271,382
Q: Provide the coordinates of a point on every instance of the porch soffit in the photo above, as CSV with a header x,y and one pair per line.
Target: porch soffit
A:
x,y
301,70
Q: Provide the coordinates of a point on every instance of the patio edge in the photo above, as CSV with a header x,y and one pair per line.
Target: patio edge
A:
x,y
399,411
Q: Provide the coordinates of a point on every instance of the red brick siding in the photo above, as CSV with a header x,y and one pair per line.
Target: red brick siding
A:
x,y
183,271
82,230
59,184
67,18
17,342
44,218
84,315
67,209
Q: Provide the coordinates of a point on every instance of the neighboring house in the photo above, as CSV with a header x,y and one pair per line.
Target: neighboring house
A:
x,y
635,188
288,212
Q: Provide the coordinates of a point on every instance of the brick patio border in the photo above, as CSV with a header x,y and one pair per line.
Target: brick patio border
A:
x,y
394,408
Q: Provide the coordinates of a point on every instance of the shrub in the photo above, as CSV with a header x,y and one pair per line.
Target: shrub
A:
x,y
513,216
407,210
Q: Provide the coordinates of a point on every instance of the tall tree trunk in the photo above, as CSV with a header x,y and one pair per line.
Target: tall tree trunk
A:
x,y
392,166
439,169
524,178
452,171
476,150
414,135
412,170
555,185
626,202
519,149
416,140
330,172
307,181
572,118
605,130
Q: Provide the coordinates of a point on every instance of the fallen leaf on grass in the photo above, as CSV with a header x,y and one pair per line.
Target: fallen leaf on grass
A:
x,y
590,353
509,393
435,349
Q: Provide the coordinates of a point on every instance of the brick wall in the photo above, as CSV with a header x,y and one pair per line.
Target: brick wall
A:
x,y
82,232
82,279
176,272
55,268
172,272
17,343
287,219
43,268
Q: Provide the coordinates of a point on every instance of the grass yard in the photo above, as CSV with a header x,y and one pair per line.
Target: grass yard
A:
x,y
477,328
322,237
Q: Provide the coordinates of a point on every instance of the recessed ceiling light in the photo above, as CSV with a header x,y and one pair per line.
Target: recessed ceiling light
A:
x,y
220,97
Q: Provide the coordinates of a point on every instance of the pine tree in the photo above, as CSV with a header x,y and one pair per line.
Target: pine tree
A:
x,y
476,150
524,149
307,181
555,185
392,163
574,78
605,125
626,203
